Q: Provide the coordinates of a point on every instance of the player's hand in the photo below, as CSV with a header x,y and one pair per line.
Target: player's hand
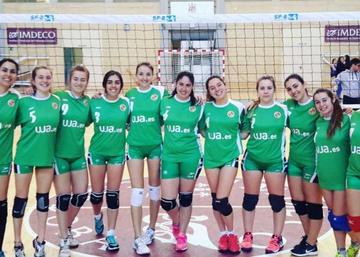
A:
x,y
200,100
97,95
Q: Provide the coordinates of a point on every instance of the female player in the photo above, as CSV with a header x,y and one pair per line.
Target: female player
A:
x,y
302,177
109,114
352,184
181,161
8,106
220,126
332,154
38,116
144,141
70,164
265,123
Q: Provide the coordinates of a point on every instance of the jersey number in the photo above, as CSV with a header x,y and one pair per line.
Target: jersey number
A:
x,y
64,109
97,117
32,116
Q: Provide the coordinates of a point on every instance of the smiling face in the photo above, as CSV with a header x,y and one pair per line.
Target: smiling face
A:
x,y
296,90
266,91
144,76
324,104
184,88
78,83
113,87
8,74
217,89
42,81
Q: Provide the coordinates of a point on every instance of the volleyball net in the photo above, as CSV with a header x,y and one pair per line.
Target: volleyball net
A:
x,y
240,48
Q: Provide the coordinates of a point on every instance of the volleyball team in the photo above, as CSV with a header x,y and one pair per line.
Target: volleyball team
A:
x,y
324,157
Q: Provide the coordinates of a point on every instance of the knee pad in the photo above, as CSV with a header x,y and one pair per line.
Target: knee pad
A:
x,y
315,211
338,223
42,202
3,209
277,202
224,206
137,197
112,199
154,193
62,202
185,199
19,207
213,198
78,200
354,223
96,198
300,207
250,201
168,205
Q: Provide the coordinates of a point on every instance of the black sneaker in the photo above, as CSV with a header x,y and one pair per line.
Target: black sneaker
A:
x,y
301,244
304,250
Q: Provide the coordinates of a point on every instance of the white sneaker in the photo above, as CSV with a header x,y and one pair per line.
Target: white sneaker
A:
x,y
73,242
19,250
64,248
140,247
148,236
39,248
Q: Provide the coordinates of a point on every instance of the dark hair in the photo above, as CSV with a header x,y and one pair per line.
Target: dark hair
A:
x,y
81,68
108,75
336,116
147,64
34,73
298,78
12,61
190,76
355,61
208,96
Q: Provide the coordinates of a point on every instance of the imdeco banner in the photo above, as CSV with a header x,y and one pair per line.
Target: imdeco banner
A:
x,y
350,33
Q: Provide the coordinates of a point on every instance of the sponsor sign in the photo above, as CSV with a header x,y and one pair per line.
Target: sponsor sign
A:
x,y
350,33
31,36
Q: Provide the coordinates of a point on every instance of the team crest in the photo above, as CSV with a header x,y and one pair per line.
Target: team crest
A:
x,y
123,107
277,115
154,97
312,111
11,103
55,105
192,108
86,102
230,114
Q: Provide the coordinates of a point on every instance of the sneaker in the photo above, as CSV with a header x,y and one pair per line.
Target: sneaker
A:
x,y
275,244
339,255
304,249
247,242
175,230
223,244
234,246
301,243
140,247
148,236
64,248
181,242
112,244
73,242
2,254
353,250
19,250
39,248
99,225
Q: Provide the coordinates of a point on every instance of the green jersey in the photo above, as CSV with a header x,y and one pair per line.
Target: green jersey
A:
x,y
73,120
39,118
354,160
221,124
332,154
180,129
302,126
266,125
145,127
8,108
109,119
